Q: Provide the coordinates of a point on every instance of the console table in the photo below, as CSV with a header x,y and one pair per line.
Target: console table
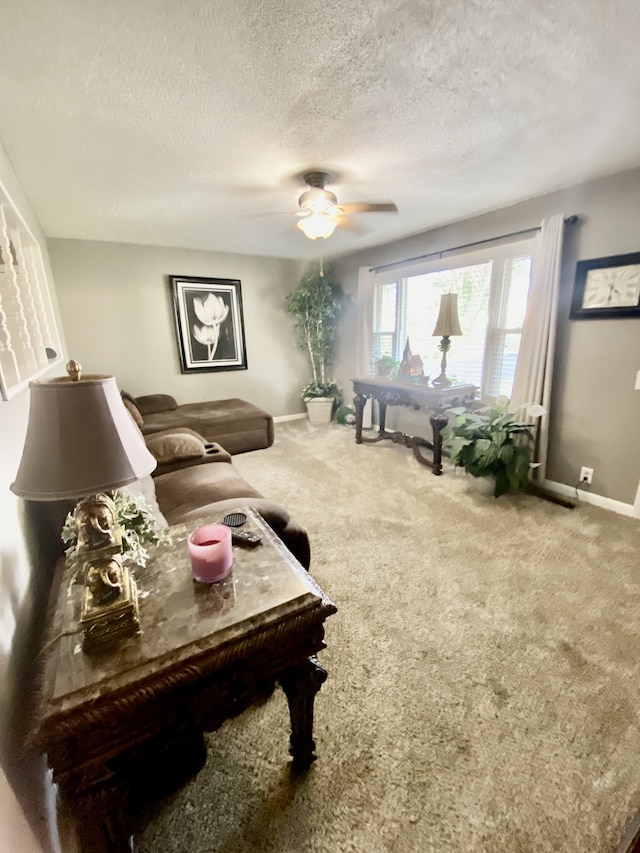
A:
x,y
115,725
417,395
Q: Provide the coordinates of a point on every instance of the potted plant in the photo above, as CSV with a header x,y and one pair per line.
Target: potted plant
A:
x,y
387,365
317,305
492,443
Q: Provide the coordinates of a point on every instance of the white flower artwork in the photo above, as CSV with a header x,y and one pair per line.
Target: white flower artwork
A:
x,y
212,312
209,323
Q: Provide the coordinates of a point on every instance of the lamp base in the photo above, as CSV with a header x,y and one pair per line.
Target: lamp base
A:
x,y
106,624
441,381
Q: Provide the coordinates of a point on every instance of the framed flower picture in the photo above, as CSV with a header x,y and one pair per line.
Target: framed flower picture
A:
x,y
209,323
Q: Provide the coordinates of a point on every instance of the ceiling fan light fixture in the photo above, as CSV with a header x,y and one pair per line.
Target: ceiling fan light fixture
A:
x,y
318,226
318,201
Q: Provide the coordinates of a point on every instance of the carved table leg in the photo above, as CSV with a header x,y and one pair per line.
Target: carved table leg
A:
x,y
300,686
438,423
359,402
100,818
382,415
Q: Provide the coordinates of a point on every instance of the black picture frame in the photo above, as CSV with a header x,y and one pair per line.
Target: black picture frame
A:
x,y
581,311
209,323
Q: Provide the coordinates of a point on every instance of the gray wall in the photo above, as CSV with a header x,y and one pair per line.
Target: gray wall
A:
x,y
117,314
595,413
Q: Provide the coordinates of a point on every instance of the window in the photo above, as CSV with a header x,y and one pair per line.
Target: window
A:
x,y
492,289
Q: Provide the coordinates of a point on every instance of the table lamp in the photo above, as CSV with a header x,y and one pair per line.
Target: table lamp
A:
x,y
446,325
81,443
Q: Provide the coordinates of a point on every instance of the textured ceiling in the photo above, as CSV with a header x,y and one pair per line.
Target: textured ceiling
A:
x,y
181,124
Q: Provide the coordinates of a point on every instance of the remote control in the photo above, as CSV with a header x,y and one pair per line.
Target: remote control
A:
x,y
245,537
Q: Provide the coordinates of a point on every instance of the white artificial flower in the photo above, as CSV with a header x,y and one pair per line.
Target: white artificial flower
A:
x,y
532,410
207,335
210,309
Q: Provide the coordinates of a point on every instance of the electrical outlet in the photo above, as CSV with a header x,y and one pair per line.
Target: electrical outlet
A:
x,y
586,475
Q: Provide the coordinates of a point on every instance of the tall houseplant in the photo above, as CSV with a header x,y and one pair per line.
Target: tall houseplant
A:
x,y
492,443
316,305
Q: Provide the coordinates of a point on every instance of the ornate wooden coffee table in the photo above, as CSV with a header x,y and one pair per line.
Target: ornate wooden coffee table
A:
x,y
113,724
415,395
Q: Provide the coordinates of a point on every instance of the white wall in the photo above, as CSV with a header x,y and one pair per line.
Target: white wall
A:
x,y
24,576
118,318
596,412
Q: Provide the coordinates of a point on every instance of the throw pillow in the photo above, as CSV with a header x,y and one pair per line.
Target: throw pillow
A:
x,y
176,447
149,404
134,411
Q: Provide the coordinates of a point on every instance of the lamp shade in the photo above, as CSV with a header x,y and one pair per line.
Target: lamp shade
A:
x,y
80,439
448,323
318,225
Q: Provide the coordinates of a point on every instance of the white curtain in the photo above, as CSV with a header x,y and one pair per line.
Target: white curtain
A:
x,y
366,280
534,372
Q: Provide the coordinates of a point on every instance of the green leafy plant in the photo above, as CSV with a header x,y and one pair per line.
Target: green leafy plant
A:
x,y
317,305
137,524
491,442
345,415
322,389
387,365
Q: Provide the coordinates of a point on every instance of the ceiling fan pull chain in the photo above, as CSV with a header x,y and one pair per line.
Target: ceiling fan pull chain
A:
x,y
321,266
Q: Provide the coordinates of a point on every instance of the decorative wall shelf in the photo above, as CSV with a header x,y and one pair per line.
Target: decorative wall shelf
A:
x,y
29,339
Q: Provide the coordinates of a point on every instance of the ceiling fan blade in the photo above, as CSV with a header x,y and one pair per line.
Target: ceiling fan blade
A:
x,y
369,207
268,214
355,227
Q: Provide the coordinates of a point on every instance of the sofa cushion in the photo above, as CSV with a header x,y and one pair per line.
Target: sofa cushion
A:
x,y
180,492
150,403
133,410
175,447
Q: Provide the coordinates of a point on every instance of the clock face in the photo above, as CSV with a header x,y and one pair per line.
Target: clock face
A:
x,y
613,287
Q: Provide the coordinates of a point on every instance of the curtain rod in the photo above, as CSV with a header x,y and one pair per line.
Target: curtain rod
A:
x,y
570,220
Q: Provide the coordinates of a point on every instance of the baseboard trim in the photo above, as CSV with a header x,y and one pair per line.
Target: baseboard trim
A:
x,y
282,418
596,500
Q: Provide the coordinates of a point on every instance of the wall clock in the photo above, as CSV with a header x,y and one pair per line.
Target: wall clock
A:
x,y
607,287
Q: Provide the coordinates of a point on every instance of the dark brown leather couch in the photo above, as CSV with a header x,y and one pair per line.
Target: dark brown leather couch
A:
x,y
189,493
195,478
237,425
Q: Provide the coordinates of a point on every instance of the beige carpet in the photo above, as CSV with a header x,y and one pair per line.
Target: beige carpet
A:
x,y
483,690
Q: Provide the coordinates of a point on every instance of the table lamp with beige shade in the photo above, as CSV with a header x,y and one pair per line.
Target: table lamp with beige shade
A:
x,y
81,443
447,325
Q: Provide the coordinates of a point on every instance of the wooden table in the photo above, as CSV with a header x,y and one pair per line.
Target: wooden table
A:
x,y
112,724
417,395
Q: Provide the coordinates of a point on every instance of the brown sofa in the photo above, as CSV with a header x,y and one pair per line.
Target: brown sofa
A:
x,y
237,425
195,478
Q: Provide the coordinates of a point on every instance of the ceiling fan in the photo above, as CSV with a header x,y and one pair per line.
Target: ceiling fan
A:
x,y
320,212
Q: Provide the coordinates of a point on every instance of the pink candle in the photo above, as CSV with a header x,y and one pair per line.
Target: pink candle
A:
x,y
211,553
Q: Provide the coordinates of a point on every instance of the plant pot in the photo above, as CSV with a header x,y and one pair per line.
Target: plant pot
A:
x,y
484,485
319,410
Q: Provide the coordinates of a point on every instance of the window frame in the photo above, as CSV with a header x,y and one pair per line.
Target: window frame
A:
x,y
499,253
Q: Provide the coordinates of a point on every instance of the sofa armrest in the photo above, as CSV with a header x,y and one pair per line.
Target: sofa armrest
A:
x,y
150,403
275,515
214,453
